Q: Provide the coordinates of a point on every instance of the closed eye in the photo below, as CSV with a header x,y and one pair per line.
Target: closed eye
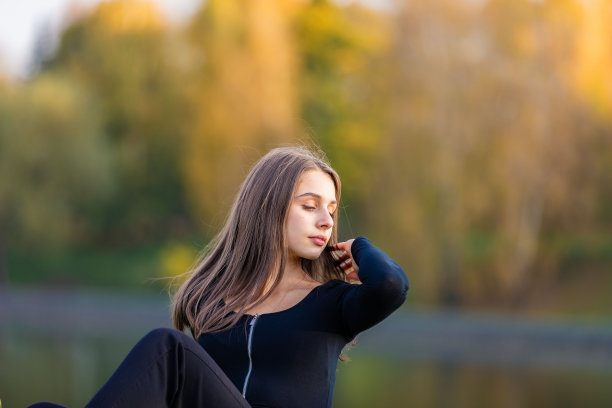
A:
x,y
309,208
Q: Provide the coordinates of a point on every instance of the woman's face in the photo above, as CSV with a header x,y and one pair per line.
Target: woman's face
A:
x,y
309,221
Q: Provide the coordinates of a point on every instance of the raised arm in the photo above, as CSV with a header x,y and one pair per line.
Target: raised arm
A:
x,y
383,288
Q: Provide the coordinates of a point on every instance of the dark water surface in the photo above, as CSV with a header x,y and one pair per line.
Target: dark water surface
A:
x,y
61,345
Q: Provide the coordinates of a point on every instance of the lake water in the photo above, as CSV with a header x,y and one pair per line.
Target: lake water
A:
x,y
62,345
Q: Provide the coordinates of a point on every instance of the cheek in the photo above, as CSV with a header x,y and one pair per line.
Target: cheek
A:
x,y
297,225
296,220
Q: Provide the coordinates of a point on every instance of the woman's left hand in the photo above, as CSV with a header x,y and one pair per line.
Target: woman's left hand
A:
x,y
345,260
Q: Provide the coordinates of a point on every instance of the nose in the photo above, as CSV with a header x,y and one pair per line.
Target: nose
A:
x,y
325,221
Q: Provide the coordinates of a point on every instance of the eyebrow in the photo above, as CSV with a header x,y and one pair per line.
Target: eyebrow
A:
x,y
316,196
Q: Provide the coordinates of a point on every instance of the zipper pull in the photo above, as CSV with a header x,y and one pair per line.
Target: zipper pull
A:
x,y
254,319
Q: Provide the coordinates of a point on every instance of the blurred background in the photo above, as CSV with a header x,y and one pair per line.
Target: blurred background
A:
x,y
473,139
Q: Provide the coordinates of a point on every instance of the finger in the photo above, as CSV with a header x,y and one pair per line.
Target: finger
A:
x,y
338,254
338,258
346,265
335,255
343,256
346,246
352,276
339,246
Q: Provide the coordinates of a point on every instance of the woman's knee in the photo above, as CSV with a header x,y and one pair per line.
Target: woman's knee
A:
x,y
162,332
166,336
163,335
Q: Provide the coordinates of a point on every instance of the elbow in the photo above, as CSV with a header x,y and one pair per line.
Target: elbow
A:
x,y
395,287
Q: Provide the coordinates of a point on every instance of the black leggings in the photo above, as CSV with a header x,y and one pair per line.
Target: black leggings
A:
x,y
166,368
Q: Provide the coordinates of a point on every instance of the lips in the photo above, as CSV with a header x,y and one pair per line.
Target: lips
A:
x,y
319,240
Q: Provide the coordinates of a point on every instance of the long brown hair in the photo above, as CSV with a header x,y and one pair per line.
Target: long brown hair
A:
x,y
250,249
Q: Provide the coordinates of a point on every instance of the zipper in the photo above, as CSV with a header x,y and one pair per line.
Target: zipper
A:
x,y
249,345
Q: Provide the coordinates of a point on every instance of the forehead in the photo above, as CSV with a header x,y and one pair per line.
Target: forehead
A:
x,y
318,182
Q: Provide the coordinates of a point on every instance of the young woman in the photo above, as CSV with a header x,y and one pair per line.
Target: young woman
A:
x,y
270,304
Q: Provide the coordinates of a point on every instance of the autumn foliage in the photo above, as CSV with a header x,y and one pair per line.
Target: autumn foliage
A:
x,y
473,138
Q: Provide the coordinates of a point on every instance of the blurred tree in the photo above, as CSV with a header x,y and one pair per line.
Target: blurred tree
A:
x,y
485,132
122,54
343,51
430,141
472,137
54,164
538,155
593,62
242,97
590,77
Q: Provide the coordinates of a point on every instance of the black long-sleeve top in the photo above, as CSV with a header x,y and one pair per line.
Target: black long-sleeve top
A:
x,y
288,359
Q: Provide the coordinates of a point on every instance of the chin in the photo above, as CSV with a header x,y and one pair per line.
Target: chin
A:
x,y
311,256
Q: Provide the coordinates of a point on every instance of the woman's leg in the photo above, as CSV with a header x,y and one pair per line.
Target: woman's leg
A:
x,y
167,368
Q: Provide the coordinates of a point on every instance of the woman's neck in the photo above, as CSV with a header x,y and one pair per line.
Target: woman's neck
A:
x,y
292,288
293,277
294,271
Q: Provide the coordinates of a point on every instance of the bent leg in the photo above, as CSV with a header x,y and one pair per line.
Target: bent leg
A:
x,y
167,368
